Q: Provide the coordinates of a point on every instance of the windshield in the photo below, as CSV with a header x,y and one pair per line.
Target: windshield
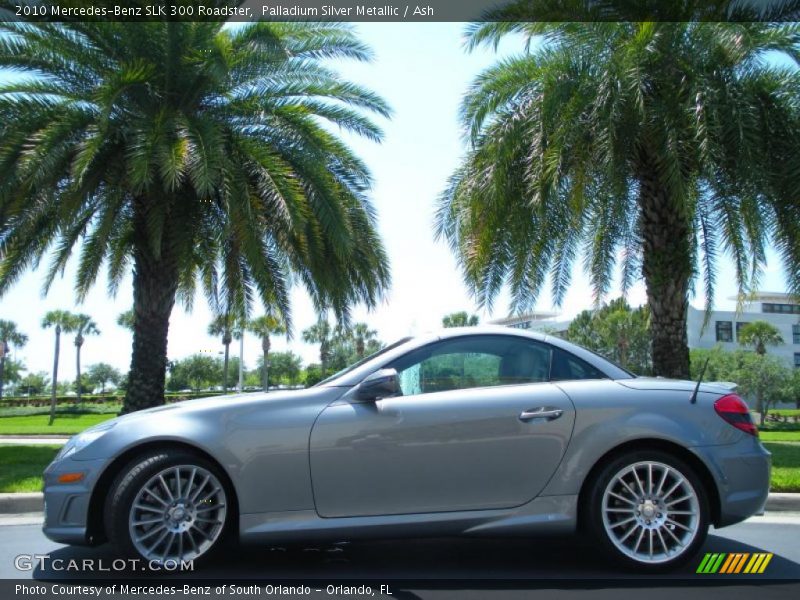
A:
x,y
363,360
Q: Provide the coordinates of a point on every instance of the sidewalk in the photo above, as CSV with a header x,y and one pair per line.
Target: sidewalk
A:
x,y
30,440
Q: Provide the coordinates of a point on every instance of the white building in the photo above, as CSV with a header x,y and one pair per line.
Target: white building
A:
x,y
781,310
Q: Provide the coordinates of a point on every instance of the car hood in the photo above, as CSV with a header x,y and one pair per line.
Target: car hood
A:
x,y
217,403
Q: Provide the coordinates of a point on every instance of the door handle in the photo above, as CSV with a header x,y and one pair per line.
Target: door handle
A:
x,y
541,413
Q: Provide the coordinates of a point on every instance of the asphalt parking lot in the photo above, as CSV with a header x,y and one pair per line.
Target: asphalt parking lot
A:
x,y
442,568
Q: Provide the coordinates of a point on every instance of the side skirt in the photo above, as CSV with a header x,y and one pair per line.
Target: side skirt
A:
x,y
548,515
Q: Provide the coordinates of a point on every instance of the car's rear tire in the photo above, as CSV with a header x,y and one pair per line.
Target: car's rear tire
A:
x,y
168,505
648,509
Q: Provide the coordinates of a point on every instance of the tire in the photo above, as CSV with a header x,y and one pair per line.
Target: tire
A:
x,y
168,505
625,516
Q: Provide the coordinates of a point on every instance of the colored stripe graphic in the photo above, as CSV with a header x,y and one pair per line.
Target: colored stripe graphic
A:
x,y
724,563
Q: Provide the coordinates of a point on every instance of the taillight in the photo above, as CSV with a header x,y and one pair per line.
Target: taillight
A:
x,y
734,410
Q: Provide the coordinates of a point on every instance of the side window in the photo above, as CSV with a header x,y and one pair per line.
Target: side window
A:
x,y
567,367
475,361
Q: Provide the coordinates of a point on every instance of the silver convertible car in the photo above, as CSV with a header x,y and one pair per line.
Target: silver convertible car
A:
x,y
474,432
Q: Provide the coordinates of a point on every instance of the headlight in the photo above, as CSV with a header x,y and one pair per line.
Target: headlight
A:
x,y
80,441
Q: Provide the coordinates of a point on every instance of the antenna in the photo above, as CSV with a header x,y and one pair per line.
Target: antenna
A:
x,y
693,399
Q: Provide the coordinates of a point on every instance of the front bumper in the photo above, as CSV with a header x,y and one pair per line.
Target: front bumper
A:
x,y
742,473
66,506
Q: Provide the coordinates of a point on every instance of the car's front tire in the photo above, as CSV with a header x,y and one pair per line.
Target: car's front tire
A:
x,y
648,510
168,505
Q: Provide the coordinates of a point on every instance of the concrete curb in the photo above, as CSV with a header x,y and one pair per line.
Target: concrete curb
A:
x,y
21,503
34,502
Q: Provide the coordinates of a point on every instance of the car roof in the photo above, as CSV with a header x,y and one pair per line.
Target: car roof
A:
x,y
355,375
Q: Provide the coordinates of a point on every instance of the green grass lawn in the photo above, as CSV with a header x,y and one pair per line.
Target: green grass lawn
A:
x,y
37,424
21,467
785,466
779,436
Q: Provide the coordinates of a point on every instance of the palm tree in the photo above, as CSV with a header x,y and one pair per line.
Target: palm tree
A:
x,y
322,334
263,327
188,152
82,325
459,319
61,321
9,335
126,320
759,335
362,335
223,326
654,145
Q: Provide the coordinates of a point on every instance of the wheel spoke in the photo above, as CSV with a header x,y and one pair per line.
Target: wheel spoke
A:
x,y
650,478
662,482
631,531
178,482
618,497
147,508
148,522
638,481
681,499
151,533
618,523
166,487
158,498
673,488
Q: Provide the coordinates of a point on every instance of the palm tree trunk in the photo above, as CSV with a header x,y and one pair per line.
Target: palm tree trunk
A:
x,y
225,368
2,369
265,345
78,385
155,283
55,376
667,268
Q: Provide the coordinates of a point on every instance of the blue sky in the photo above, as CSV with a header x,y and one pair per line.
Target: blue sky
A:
x,y
422,71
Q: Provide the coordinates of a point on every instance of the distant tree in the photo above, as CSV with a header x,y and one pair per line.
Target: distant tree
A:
x,y
722,364
60,321
759,335
362,335
764,377
86,386
313,374
320,333
196,372
263,327
13,373
616,331
126,319
82,325
459,319
284,367
102,374
9,336
223,327
34,384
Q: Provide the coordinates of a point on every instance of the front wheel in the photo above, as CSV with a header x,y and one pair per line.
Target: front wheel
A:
x,y
649,510
168,507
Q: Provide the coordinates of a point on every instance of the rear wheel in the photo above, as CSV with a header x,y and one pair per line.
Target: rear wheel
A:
x,y
649,510
168,506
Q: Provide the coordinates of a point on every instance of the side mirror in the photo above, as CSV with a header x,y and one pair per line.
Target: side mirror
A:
x,y
377,385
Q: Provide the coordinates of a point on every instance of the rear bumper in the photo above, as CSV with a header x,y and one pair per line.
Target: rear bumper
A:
x,y
741,472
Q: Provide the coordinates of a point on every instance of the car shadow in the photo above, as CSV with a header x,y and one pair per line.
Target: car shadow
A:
x,y
442,563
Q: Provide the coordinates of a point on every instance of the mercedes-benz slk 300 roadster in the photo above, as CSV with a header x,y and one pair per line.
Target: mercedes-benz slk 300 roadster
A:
x,y
475,432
